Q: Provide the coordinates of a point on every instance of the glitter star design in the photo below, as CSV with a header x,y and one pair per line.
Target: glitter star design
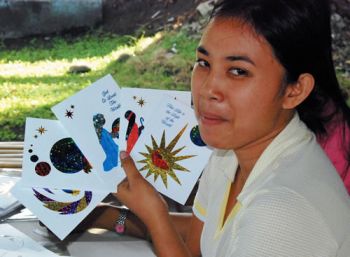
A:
x,y
141,102
161,160
41,130
64,208
69,114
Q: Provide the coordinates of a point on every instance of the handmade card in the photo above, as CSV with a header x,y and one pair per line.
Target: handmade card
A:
x,y
138,106
60,210
52,159
14,243
91,117
170,153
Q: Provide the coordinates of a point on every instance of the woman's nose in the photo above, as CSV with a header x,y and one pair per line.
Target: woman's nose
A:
x,y
211,88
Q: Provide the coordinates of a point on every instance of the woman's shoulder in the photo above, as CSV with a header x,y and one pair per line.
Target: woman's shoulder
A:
x,y
286,208
308,202
286,221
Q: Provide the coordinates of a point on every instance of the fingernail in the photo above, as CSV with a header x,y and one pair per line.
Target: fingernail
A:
x,y
123,155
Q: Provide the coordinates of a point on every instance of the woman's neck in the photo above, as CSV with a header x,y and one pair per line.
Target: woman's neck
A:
x,y
248,155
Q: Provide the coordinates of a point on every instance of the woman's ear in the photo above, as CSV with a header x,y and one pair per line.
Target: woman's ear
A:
x,y
297,92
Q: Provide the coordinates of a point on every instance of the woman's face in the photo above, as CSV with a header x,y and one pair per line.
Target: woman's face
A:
x,y
236,87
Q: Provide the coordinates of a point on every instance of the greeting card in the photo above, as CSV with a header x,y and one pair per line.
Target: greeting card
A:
x,y
60,210
92,118
138,106
170,153
52,159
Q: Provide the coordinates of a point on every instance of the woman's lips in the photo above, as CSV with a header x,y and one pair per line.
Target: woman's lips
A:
x,y
211,119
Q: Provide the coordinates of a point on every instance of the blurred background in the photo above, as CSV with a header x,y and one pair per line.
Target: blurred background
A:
x,y
50,49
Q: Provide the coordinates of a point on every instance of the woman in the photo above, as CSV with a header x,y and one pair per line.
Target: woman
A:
x,y
263,84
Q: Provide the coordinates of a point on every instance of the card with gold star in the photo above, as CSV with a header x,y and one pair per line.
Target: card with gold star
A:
x,y
137,106
170,154
52,159
91,117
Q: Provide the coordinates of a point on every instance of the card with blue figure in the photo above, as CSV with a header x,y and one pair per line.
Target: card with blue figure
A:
x,y
170,153
92,118
52,159
138,106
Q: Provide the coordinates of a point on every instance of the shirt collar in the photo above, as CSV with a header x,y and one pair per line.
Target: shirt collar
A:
x,y
283,144
227,163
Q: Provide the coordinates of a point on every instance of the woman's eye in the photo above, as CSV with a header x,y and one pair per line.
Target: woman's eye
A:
x,y
202,63
238,72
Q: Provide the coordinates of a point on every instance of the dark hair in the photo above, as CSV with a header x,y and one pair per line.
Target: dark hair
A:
x,y
299,33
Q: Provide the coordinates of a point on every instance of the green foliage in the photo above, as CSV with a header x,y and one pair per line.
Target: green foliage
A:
x,y
35,77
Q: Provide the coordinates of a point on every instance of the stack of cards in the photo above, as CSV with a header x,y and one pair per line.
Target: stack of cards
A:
x,y
72,163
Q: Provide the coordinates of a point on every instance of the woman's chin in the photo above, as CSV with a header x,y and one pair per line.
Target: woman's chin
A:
x,y
215,142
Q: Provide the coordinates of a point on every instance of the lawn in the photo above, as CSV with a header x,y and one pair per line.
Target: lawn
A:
x,y
36,77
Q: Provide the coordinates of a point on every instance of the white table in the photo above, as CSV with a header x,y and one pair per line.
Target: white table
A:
x,y
92,243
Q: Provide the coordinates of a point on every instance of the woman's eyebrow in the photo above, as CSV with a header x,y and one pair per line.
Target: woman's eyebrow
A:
x,y
202,50
245,58
230,58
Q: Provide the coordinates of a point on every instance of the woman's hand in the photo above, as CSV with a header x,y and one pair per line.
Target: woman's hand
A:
x,y
144,201
139,195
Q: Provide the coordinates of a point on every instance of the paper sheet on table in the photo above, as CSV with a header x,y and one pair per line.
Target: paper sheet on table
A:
x,y
14,243
7,202
112,248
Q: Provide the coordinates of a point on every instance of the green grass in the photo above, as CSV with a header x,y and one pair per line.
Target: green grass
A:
x,y
36,77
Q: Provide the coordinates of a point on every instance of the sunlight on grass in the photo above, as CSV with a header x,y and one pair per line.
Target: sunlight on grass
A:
x,y
35,77
42,68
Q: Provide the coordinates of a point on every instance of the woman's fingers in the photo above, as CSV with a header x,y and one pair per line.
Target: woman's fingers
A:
x,y
123,184
129,167
138,194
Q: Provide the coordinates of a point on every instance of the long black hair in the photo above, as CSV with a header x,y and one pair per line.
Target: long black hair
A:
x,y
299,32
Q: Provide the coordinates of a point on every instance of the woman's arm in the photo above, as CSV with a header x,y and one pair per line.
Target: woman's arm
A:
x,y
106,215
194,232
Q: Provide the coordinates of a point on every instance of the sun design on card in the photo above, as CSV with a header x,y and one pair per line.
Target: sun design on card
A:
x,y
161,160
